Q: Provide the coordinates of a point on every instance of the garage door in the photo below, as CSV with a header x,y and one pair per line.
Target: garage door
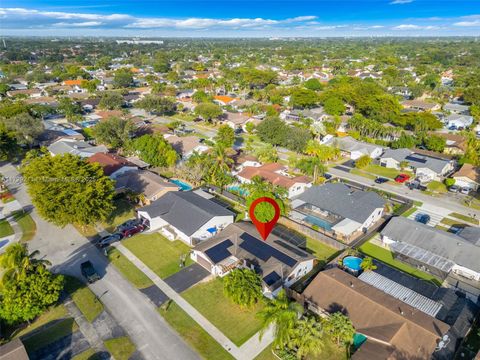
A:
x,y
204,263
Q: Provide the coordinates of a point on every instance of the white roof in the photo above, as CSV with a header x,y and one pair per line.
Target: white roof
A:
x,y
346,227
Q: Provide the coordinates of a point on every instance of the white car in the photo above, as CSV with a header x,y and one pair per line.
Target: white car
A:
x,y
465,190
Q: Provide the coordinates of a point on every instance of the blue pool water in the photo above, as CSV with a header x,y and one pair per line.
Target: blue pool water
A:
x,y
324,224
237,189
182,185
352,262
358,340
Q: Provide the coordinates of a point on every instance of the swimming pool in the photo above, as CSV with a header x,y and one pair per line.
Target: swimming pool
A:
x,y
182,185
324,224
237,189
358,340
353,263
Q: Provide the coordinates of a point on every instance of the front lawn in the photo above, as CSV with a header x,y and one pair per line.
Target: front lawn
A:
x,y
437,187
129,271
84,298
383,171
465,218
194,335
50,334
320,250
452,222
236,323
409,212
158,253
89,354
124,210
121,348
27,225
5,228
386,256
54,313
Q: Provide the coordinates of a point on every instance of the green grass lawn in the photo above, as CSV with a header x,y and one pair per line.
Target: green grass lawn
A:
x,y
452,222
54,313
50,334
383,171
84,298
386,256
236,323
465,218
359,172
124,211
330,352
158,253
121,348
129,271
193,334
5,229
320,250
27,225
409,212
266,354
437,186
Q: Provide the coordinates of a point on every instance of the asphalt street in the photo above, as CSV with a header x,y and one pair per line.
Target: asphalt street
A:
x,y
65,248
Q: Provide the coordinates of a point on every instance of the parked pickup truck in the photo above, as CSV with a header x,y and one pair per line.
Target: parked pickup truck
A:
x,y
88,271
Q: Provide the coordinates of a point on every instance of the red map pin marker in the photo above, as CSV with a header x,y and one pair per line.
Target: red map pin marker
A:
x,y
264,228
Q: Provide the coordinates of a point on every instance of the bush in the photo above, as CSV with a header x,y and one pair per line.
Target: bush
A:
x,y
363,162
449,182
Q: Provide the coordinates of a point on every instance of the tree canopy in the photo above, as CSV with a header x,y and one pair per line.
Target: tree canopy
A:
x,y
114,132
155,150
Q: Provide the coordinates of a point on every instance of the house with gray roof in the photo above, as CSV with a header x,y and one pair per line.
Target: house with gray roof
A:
x,y
435,251
185,215
457,108
459,121
337,208
354,148
75,147
278,262
425,167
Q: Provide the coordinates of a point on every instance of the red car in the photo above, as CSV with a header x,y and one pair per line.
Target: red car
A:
x,y
133,230
401,178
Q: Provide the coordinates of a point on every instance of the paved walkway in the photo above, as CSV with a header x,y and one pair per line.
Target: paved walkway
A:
x,y
247,351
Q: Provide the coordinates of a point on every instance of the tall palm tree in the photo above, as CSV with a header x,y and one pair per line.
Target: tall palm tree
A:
x,y
221,167
308,337
16,262
340,327
283,314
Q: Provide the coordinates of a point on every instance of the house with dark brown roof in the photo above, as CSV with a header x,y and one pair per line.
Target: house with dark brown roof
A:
x,y
468,176
275,174
13,350
394,329
113,165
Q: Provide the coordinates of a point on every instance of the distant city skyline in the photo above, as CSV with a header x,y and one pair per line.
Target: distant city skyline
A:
x,y
237,18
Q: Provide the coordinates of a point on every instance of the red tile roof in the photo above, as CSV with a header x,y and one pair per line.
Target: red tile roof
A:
x,y
268,173
109,162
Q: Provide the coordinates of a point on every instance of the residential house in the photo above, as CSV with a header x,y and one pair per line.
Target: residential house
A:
x,y
29,93
185,146
455,144
49,136
419,105
393,329
468,177
339,209
455,108
144,182
186,215
279,263
275,174
246,160
235,120
187,93
75,147
113,165
354,148
224,99
13,350
444,254
458,121
425,167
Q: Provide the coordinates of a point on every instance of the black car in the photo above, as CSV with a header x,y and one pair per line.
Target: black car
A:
x,y
110,239
88,271
422,218
381,180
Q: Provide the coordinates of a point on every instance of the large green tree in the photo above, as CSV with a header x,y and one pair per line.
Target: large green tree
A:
x,y
243,287
303,98
155,150
225,136
111,100
208,111
26,127
67,189
157,105
113,132
123,78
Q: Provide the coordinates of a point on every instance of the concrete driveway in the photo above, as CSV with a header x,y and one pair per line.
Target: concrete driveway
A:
x,y
187,277
66,249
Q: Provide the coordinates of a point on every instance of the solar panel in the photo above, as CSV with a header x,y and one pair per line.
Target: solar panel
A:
x,y
416,159
220,251
271,278
263,251
293,249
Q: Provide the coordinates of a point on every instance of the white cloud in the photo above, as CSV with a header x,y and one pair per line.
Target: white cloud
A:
x,y
24,13
400,2
467,23
406,27
79,24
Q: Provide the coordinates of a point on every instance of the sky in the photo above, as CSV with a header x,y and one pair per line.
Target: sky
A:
x,y
236,18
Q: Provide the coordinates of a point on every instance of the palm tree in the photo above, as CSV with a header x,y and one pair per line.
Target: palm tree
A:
x,y
221,167
367,264
308,337
340,327
16,262
283,314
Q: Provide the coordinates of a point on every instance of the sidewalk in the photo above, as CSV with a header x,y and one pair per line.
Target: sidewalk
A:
x,y
249,350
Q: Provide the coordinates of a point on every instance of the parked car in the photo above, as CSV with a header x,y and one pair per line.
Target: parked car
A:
x,y
422,218
128,224
465,190
110,239
88,271
381,180
133,230
453,127
454,189
401,178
